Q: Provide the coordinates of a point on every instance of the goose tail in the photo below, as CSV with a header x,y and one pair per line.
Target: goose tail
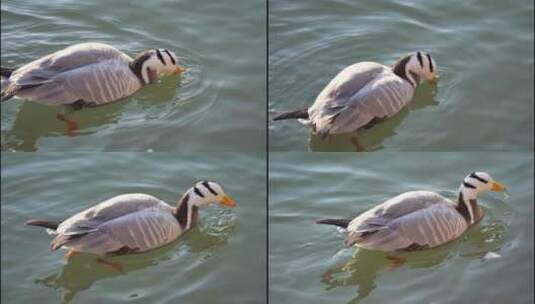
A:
x,y
49,224
296,114
335,222
6,72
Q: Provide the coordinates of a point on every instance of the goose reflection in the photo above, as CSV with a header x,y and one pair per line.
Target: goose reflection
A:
x,y
35,121
81,271
370,138
365,266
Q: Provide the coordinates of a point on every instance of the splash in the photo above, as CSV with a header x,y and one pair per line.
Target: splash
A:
x,y
506,194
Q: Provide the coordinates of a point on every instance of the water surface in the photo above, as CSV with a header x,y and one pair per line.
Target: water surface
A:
x,y
221,261
217,105
309,263
483,49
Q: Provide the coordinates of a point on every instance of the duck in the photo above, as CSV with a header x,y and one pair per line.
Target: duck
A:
x,y
418,220
86,74
364,94
131,223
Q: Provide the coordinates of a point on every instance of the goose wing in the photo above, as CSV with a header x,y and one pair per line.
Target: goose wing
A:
x,y
70,58
92,72
356,96
115,207
134,232
408,221
97,84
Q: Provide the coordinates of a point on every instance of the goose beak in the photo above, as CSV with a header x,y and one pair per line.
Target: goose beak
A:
x,y
227,201
434,80
178,70
495,186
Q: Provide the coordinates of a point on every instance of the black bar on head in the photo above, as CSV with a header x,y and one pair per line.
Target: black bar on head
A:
x,y
474,175
207,186
420,60
430,63
172,59
198,192
468,185
159,55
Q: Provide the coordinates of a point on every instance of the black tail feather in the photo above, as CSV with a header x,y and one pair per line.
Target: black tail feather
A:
x,y
303,113
50,224
6,72
336,222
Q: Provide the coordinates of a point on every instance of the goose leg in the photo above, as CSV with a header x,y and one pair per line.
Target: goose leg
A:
x,y
70,254
71,124
395,261
358,146
114,265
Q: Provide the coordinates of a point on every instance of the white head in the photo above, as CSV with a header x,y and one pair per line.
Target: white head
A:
x,y
152,64
202,194
475,183
416,67
205,193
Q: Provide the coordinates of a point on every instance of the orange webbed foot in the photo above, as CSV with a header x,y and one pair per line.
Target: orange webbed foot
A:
x,y
114,265
72,126
395,261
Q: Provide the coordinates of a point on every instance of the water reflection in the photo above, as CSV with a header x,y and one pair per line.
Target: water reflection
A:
x,y
81,271
372,138
34,121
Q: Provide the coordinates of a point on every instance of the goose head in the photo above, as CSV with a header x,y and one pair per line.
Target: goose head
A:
x,y
206,193
472,185
478,182
416,67
155,63
202,194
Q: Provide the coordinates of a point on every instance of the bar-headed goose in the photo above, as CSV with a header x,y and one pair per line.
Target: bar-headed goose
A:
x,y
364,92
86,74
418,219
132,223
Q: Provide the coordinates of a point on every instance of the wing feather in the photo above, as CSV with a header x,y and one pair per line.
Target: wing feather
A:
x,y
115,207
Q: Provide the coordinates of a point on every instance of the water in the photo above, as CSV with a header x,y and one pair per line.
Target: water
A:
x,y
218,105
484,51
223,260
309,263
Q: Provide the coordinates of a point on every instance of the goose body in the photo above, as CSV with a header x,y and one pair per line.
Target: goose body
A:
x,y
363,93
135,222
88,73
418,219
131,223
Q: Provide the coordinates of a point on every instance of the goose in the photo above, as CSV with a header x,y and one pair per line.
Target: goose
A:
x,y
131,223
364,93
417,220
86,74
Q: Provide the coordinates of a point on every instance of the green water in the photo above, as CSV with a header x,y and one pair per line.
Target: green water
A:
x,y
483,49
218,105
210,123
221,261
308,263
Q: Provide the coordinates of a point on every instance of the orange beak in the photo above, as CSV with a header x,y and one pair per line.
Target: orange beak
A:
x,y
497,187
178,70
227,201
